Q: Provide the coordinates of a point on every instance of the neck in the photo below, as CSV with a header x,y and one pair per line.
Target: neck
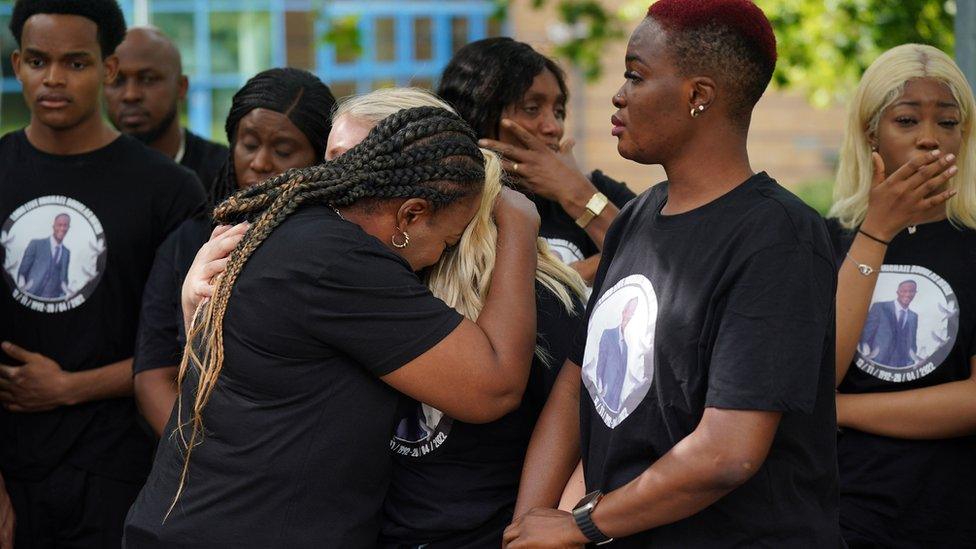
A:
x,y
169,142
91,134
709,166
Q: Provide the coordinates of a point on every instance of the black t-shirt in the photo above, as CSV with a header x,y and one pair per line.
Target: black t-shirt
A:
x,y
161,334
729,305
206,158
920,331
296,452
77,300
454,483
566,239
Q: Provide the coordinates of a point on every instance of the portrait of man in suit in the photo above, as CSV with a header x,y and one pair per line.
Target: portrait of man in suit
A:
x,y
43,270
611,367
891,330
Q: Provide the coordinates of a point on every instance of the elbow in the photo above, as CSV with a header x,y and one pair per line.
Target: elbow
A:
x,y
493,406
730,471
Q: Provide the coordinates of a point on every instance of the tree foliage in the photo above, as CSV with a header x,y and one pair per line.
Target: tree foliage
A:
x,y
824,45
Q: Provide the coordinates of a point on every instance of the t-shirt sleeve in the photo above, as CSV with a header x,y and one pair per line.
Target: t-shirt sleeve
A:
x,y
158,344
556,326
770,339
370,306
618,193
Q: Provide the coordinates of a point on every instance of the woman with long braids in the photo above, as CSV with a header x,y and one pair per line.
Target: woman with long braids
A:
x,y
515,99
904,223
275,123
440,462
289,383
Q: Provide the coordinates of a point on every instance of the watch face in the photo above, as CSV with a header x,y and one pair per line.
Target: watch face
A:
x,y
589,499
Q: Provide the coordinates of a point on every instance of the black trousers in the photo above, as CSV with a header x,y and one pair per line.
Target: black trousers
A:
x,y
70,509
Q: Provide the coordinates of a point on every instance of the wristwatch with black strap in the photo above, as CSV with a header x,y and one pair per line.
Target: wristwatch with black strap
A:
x,y
583,514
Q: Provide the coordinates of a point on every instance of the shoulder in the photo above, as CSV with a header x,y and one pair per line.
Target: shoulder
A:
x,y
209,148
152,166
777,216
10,140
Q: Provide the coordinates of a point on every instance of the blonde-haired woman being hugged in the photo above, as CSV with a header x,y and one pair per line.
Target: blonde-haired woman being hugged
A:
x,y
903,221
454,483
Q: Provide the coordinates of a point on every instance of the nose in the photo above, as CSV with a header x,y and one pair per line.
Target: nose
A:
x,y
54,76
131,93
618,99
551,126
261,161
927,138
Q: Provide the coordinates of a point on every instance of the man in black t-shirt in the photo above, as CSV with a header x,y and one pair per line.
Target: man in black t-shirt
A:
x,y
72,457
720,429
144,100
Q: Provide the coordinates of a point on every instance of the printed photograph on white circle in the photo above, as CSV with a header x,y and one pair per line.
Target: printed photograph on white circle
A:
x,y
618,361
911,325
54,253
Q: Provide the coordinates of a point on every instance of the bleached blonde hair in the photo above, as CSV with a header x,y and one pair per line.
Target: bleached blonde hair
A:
x,y
463,275
882,84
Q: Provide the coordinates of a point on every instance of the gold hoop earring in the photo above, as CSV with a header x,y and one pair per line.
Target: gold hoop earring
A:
x,y
696,111
406,239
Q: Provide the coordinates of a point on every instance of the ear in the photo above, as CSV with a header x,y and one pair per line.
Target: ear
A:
x,y
184,85
872,138
111,64
15,61
701,93
412,211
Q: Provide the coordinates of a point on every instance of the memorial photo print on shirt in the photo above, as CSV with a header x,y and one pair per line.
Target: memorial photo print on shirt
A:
x,y
618,362
54,253
911,325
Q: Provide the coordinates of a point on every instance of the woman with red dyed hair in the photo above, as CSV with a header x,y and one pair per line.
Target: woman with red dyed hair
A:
x,y
706,413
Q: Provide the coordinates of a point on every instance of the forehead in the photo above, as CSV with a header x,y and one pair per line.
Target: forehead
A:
x,y
928,90
648,42
544,84
349,129
266,121
140,51
57,33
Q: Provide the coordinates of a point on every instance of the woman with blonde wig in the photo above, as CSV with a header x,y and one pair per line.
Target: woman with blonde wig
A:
x,y
454,483
903,223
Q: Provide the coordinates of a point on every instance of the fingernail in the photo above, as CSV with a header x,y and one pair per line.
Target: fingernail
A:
x,y
952,170
5,344
936,153
950,157
506,122
482,143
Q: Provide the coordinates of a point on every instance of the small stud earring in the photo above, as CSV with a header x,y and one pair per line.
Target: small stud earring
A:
x,y
696,111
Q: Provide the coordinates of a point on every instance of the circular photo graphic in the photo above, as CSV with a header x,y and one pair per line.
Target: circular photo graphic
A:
x,y
911,326
54,253
618,362
565,250
421,431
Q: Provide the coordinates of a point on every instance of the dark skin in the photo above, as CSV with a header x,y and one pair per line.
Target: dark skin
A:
x,y
727,447
148,88
267,144
531,135
917,140
60,64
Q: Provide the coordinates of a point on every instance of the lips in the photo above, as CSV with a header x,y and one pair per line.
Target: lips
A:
x,y
618,126
133,117
53,100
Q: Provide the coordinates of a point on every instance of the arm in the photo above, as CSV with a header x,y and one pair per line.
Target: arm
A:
x,y
8,520
723,452
156,394
554,176
482,368
587,267
40,384
895,202
27,262
554,449
941,411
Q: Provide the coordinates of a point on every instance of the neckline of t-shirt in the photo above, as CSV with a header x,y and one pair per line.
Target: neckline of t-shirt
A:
x,y
70,157
663,221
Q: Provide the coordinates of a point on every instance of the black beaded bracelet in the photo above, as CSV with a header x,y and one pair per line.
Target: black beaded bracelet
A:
x,y
874,238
